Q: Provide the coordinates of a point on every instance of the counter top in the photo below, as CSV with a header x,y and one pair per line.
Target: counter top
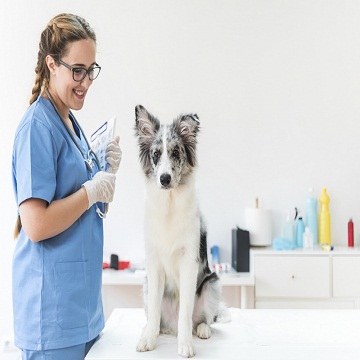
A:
x,y
251,335
317,251
123,277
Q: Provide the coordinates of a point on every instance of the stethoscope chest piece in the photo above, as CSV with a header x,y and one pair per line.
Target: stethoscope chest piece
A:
x,y
89,164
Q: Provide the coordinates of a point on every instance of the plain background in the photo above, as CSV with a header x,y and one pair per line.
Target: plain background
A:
x,y
275,83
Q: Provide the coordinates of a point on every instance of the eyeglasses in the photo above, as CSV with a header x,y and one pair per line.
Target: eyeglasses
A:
x,y
79,73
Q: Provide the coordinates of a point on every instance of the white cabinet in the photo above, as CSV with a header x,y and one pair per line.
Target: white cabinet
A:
x,y
292,276
346,276
299,279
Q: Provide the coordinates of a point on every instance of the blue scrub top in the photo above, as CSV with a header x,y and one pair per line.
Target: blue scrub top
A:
x,y
56,282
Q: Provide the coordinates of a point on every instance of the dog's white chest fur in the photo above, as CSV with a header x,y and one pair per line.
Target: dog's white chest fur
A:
x,y
170,213
172,225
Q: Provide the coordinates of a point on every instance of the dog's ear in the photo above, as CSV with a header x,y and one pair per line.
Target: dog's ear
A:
x,y
187,128
189,125
146,125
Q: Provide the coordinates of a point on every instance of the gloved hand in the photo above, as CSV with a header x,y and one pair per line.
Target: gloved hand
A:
x,y
113,154
100,188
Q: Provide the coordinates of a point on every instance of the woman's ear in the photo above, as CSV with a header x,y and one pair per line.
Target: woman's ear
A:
x,y
50,63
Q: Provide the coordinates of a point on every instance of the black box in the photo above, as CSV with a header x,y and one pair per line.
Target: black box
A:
x,y
114,261
240,250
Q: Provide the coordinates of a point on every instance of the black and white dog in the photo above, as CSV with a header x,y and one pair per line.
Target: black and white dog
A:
x,y
182,295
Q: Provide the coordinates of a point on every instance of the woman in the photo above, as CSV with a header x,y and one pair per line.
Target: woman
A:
x,y
61,196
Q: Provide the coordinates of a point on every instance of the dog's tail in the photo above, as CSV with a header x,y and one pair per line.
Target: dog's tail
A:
x,y
224,315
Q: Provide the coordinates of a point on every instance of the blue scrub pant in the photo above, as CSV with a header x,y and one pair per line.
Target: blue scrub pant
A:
x,y
77,352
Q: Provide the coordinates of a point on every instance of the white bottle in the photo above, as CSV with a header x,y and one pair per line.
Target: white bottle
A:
x,y
308,239
289,228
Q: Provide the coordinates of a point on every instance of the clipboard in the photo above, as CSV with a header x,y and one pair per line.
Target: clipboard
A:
x,y
100,139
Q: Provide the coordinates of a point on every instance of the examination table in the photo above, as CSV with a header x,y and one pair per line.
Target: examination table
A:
x,y
252,334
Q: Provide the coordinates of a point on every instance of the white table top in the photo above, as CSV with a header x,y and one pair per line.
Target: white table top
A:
x,y
251,335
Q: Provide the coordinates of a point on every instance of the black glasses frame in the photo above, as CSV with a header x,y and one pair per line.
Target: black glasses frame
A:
x,y
85,71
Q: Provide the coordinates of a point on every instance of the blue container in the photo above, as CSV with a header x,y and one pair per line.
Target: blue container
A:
x,y
312,218
214,254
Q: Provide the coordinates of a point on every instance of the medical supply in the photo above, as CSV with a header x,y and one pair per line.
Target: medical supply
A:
x,y
300,228
214,251
288,232
116,264
222,268
311,215
324,219
327,247
122,265
280,243
308,239
100,141
100,188
259,224
350,233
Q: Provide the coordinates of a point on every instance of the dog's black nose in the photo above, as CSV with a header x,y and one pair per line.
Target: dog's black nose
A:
x,y
165,179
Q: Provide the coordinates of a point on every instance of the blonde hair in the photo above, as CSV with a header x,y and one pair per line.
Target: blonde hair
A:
x,y
61,31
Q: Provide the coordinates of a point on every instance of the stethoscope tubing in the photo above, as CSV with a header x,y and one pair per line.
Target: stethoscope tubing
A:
x,y
90,152
87,159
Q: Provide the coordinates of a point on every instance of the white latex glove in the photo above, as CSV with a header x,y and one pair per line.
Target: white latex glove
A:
x,y
113,154
100,188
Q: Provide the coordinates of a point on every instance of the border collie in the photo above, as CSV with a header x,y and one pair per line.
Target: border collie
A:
x,y
181,294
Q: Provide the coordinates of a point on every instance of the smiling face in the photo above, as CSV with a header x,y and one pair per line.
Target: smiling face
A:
x,y
67,93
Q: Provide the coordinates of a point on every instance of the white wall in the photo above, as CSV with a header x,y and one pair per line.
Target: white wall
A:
x,y
276,85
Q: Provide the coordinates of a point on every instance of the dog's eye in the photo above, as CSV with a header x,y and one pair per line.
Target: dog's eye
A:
x,y
176,153
156,156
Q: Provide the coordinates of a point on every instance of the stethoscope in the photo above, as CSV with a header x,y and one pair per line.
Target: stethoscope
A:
x,y
90,154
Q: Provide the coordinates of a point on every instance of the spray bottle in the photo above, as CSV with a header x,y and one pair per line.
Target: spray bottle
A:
x,y
324,219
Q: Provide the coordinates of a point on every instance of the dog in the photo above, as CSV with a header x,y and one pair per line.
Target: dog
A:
x,y
181,294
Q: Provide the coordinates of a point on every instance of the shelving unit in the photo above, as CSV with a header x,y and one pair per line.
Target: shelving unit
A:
x,y
123,289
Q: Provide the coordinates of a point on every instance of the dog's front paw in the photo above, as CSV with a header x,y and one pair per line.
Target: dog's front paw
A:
x,y
203,331
186,349
146,343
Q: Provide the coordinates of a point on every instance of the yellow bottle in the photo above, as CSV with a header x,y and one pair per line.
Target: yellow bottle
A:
x,y
324,219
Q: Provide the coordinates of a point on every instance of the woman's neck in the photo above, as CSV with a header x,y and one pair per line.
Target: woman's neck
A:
x,y
61,108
